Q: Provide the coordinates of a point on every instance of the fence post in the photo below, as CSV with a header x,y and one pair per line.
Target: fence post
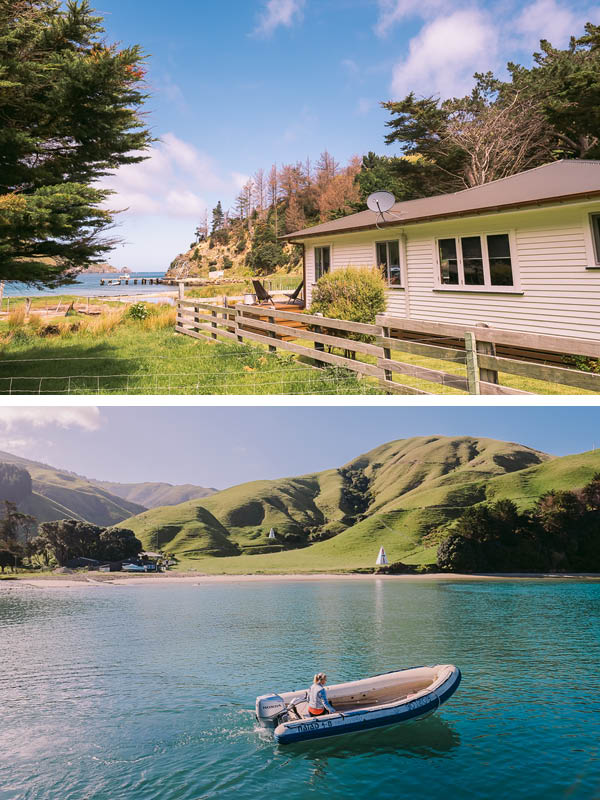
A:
x,y
181,286
472,365
196,318
238,327
214,324
387,353
488,349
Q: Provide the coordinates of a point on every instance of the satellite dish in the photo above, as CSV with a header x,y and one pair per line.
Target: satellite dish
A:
x,y
380,202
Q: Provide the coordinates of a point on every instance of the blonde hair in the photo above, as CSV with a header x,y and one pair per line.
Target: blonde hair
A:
x,y
320,676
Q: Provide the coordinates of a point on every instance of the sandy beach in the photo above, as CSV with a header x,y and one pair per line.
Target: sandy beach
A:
x,y
77,581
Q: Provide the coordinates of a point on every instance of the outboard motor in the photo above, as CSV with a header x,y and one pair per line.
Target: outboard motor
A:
x,y
270,708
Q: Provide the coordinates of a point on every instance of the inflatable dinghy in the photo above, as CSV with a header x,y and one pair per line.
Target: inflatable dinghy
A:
x,y
359,705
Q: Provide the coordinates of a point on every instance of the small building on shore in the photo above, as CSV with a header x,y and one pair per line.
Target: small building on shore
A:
x,y
520,253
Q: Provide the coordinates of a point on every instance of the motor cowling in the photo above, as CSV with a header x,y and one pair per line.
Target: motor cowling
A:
x,y
269,708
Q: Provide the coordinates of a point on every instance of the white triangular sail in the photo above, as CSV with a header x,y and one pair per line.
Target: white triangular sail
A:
x,y
271,534
381,558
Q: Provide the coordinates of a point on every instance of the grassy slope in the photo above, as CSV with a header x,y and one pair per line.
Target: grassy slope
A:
x,y
415,485
59,494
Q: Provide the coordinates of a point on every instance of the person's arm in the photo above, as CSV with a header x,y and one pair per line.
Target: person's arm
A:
x,y
323,695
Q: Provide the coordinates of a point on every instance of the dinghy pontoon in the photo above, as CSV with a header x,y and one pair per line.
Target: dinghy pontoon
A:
x,y
359,705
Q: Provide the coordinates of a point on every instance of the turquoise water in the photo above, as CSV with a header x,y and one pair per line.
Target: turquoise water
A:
x,y
146,692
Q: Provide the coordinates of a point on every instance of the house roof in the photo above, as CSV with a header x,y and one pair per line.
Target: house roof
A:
x,y
558,181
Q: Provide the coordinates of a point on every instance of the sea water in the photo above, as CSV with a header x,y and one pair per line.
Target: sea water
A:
x,y
88,285
111,692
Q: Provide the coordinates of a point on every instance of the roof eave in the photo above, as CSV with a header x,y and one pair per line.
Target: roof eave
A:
x,y
291,237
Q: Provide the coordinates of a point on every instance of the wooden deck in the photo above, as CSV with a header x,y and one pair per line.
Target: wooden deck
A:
x,y
284,322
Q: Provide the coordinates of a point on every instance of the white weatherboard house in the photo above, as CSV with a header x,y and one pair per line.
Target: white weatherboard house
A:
x,y
521,253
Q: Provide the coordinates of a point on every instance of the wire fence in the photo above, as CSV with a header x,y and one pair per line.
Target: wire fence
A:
x,y
198,378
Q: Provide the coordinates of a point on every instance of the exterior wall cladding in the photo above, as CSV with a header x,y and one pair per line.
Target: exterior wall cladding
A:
x,y
555,271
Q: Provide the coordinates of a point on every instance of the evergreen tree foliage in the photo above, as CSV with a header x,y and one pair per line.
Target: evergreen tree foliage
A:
x,y
218,218
69,114
561,533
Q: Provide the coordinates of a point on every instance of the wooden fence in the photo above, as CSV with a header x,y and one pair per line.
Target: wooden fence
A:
x,y
483,352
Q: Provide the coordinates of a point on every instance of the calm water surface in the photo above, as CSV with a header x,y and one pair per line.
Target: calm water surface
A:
x,y
88,286
111,692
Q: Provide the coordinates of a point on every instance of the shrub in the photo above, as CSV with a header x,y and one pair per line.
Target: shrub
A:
x,y
354,294
227,262
138,311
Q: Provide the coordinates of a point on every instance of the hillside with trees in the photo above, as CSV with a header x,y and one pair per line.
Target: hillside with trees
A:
x,y
542,113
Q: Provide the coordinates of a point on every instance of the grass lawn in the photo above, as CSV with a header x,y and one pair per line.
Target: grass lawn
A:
x,y
112,354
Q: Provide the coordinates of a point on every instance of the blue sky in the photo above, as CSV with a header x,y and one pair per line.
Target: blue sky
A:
x,y
241,85
221,447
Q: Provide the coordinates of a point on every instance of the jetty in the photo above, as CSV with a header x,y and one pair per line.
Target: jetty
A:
x,y
126,281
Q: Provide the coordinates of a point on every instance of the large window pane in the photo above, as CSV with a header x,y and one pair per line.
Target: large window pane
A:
x,y
595,220
448,261
382,259
500,261
472,260
322,261
395,277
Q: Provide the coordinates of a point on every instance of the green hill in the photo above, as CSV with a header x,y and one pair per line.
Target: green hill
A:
x,y
58,494
402,495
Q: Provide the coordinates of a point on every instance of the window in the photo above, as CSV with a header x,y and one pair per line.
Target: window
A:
x,y
388,261
476,261
595,221
322,261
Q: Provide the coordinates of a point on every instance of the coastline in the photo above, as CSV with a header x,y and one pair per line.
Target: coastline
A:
x,y
187,579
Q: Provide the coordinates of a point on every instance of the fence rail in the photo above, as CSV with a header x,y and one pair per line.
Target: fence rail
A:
x,y
483,352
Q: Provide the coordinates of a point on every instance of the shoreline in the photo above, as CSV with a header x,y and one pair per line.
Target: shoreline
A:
x,y
187,579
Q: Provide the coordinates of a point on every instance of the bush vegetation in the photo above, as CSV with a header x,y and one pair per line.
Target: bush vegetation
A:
x,y
561,533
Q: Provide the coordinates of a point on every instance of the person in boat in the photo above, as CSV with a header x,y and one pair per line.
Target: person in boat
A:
x,y
317,697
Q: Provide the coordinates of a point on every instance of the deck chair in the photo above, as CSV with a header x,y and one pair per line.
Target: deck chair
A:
x,y
261,293
293,297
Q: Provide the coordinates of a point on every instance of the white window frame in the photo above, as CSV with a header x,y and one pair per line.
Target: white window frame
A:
x,y
389,285
487,285
321,246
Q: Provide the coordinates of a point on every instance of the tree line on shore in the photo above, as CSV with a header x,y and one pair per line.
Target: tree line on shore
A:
x,y
59,541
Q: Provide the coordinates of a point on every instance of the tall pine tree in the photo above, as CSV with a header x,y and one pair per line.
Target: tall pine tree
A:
x,y
69,114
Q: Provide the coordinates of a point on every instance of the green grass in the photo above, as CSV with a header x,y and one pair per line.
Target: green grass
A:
x,y
131,359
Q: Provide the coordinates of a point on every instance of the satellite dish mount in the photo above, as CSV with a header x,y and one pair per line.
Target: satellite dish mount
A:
x,y
381,203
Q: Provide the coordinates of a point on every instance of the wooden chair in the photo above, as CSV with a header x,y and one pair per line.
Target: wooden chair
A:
x,y
261,293
293,297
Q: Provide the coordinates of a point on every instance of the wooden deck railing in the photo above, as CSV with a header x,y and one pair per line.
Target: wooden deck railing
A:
x,y
482,351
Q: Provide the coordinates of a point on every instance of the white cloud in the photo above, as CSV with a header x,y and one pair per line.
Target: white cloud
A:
x,y
391,12
444,55
87,418
547,19
172,181
279,13
239,179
